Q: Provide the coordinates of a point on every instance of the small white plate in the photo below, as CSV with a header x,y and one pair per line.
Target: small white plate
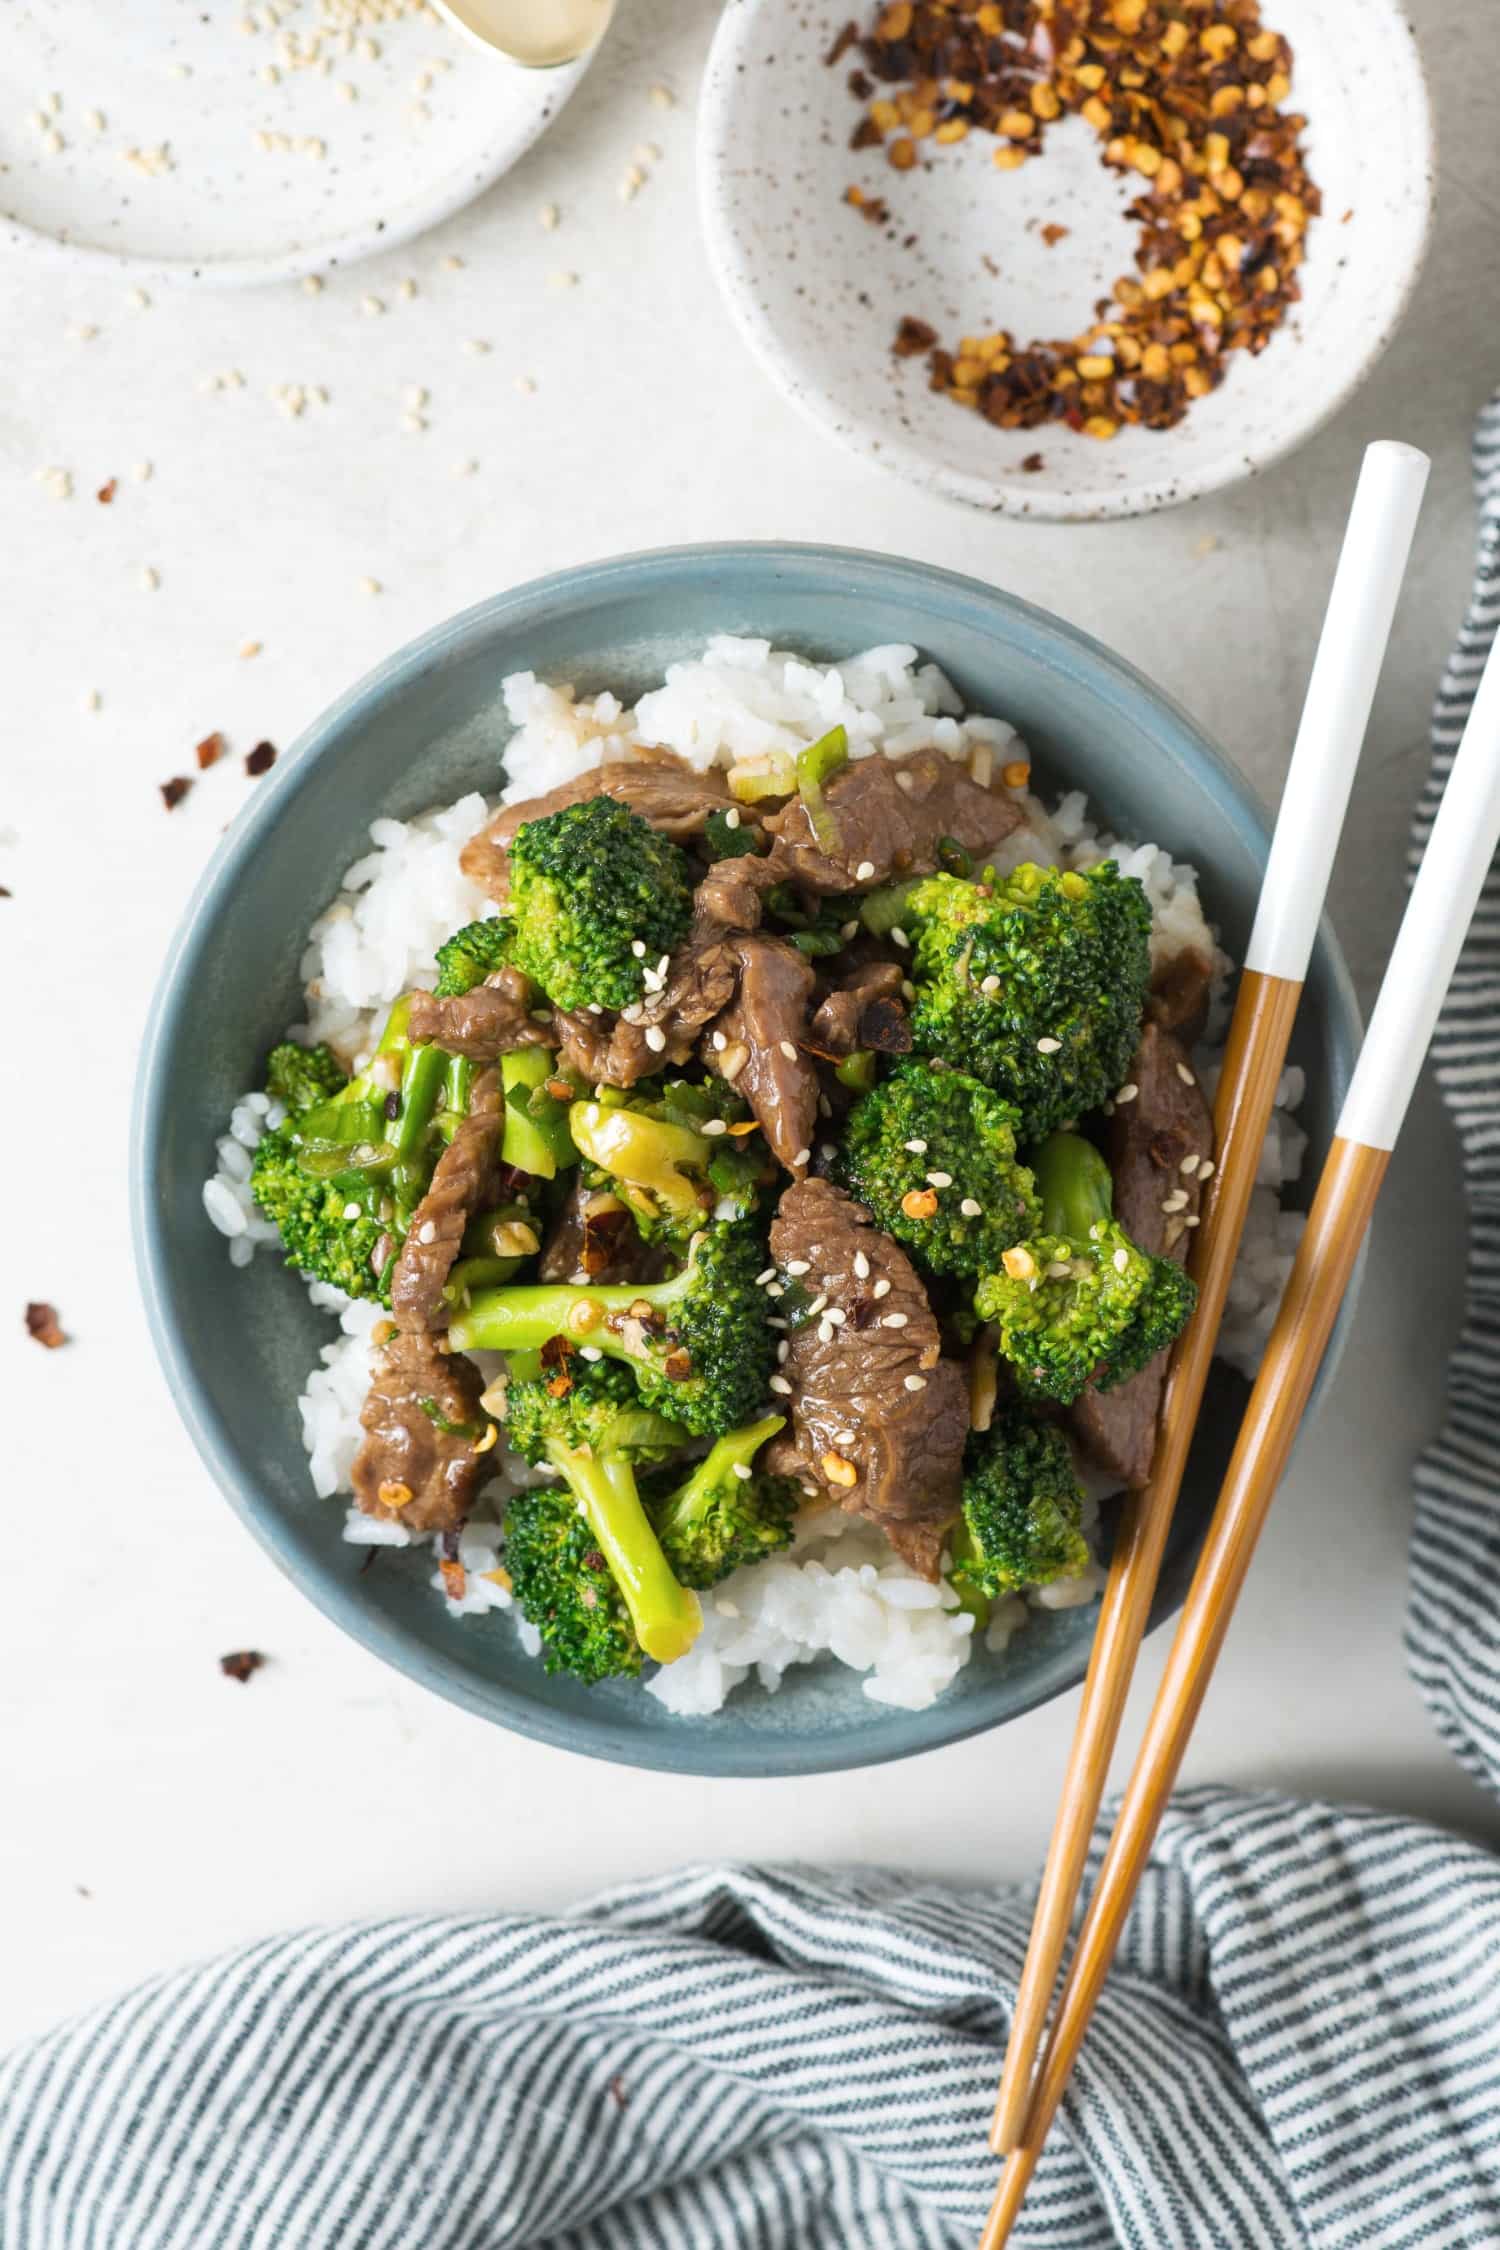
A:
x,y
430,123
818,291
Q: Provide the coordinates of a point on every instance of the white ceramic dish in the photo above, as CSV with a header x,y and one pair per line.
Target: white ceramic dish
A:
x,y
817,291
430,122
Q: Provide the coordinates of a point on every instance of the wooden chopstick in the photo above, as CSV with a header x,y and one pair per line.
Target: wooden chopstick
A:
x,y
1447,889
1340,693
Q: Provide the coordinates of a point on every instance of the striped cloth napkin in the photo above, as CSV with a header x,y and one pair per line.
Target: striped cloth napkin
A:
x,y
1300,2045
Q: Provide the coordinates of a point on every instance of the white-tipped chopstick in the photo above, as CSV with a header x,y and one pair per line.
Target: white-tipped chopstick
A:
x,y
1447,889
1336,711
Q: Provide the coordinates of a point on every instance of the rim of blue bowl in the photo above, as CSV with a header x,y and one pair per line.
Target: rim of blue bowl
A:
x,y
692,1749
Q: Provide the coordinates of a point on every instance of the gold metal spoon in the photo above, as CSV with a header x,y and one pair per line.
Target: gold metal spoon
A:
x,y
537,34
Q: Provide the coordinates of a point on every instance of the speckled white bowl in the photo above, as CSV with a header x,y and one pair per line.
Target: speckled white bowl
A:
x,y
817,291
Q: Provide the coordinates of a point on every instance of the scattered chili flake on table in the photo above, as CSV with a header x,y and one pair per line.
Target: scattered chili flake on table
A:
x,y
42,1323
106,492
240,1663
261,759
173,791
1187,95
209,751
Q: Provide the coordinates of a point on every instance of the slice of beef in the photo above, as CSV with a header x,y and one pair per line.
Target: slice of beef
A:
x,y
1180,990
674,797
889,816
594,1238
409,1470
617,1050
731,895
762,1056
462,1184
1147,1141
870,1393
491,1021
864,1010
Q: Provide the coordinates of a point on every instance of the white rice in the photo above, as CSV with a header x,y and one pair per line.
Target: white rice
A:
x,y
840,1590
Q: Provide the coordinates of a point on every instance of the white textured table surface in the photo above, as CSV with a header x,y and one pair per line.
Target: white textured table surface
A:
x,y
153,1809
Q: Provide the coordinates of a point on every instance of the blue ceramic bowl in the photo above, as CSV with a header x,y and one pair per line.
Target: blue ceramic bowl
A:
x,y
422,729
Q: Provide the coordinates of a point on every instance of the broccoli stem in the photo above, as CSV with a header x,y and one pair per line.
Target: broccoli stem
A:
x,y
534,1141
666,1617
522,1319
884,910
422,1076
857,1071
1074,1184
656,1165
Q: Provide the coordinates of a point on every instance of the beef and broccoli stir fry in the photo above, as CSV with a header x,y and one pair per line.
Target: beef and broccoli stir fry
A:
x,y
786,1152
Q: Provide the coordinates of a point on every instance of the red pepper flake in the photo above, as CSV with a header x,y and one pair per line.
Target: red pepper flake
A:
x,y
913,336
455,1579
42,1323
1052,234
209,751
173,791
4,893
1033,464
240,1663
617,2084
871,207
106,492
261,759
841,45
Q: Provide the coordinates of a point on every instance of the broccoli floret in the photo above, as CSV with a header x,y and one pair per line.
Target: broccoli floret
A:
x,y
329,1230
299,1077
697,1345
726,1512
1021,1507
742,841
921,1126
563,1586
1035,984
1080,1302
470,955
588,1423
596,898
668,1153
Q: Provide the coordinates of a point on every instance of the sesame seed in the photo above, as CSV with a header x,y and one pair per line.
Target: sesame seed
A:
x,y
312,285
371,306
743,1470
370,586
732,817
843,1437
562,279
525,384
1189,1162
940,1179
826,1331
1126,1094
656,1038
989,984
590,1352
453,263
914,1382
881,1289
848,931
767,1273
1121,1260
1186,1075
865,872
1206,1168
663,964
1175,1201
1048,1046
94,119
141,473
818,1303
149,580
861,1265
713,1126
1193,1222
638,948
774,1289
803,1156
548,216
899,937
427,1232
662,97
787,1049
971,1209
828,1151
798,1265
781,1386
719,1042
92,700
893,1320
917,1148
250,648
351,1210
837,1315
783,1352
908,989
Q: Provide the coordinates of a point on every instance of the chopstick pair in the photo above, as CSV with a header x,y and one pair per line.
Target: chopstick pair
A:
x,y
1339,698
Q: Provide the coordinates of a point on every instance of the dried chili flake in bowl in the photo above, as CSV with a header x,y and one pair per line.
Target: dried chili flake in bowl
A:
x,y
1186,95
